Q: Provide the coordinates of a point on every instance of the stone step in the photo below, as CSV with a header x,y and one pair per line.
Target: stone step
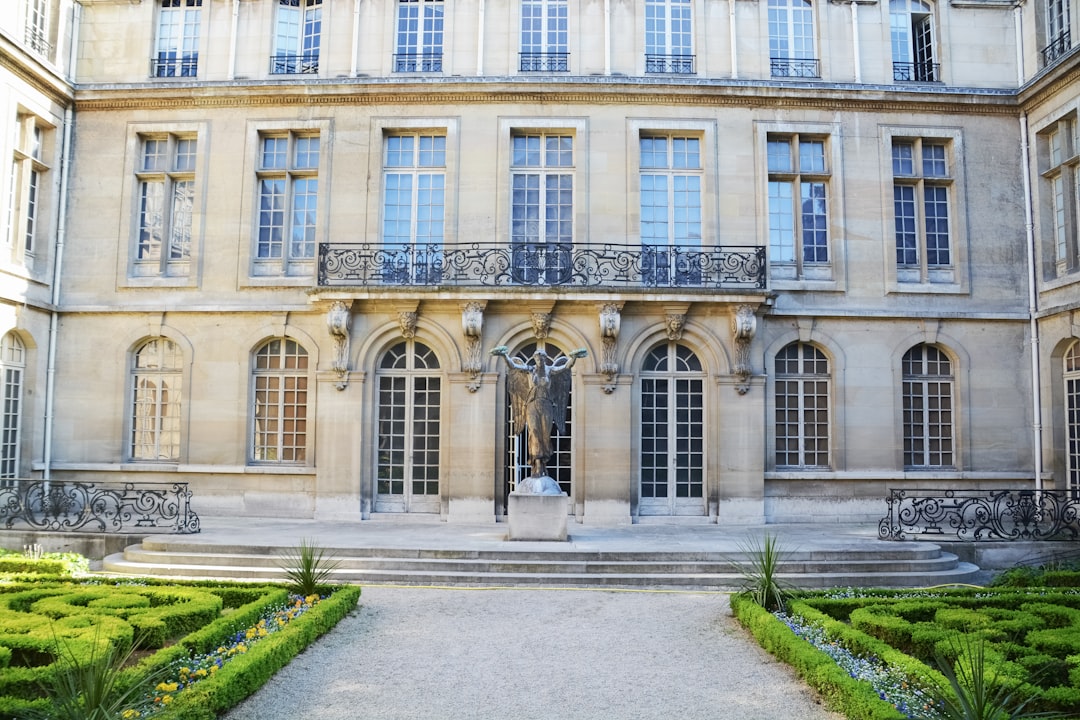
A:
x,y
672,569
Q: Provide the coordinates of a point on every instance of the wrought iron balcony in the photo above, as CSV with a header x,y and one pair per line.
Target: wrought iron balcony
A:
x,y
1057,47
1025,514
670,64
794,68
97,507
916,72
38,40
418,62
171,64
293,64
538,264
544,62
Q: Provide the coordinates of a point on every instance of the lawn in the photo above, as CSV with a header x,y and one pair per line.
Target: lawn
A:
x,y
167,650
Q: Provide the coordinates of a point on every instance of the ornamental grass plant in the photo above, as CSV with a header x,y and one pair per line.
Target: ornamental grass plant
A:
x,y
307,567
975,691
761,580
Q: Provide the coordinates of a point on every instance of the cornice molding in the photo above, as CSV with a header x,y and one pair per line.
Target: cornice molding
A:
x,y
31,71
827,97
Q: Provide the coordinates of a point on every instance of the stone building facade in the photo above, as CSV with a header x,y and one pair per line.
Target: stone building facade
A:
x,y
815,250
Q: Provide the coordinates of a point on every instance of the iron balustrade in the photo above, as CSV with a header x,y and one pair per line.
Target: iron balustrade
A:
x,y
670,64
37,40
544,62
413,62
294,64
795,68
537,264
981,515
64,505
171,64
1057,47
916,71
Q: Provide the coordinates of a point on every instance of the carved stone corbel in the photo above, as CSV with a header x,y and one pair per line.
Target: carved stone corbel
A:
x,y
472,324
743,328
674,323
541,324
407,321
338,322
610,321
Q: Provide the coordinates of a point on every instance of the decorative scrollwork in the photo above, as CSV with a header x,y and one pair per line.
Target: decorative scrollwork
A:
x,y
99,507
974,515
555,264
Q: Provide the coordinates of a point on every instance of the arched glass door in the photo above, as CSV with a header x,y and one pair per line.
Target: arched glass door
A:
x,y
410,397
672,433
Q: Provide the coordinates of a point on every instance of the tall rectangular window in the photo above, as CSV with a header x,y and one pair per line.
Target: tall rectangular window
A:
x,y
670,192
25,201
791,39
1061,180
288,182
165,177
12,365
669,37
414,202
912,39
802,407
38,15
542,206
279,378
798,203
156,394
1058,30
921,189
544,36
297,35
419,36
176,47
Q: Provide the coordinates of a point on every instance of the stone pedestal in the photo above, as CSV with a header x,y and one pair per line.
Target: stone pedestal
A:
x,y
537,517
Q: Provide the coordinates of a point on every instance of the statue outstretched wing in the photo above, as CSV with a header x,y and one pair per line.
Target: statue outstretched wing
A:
x,y
518,385
560,398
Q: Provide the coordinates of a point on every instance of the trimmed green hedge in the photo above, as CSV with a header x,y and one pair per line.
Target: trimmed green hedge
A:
x,y
840,691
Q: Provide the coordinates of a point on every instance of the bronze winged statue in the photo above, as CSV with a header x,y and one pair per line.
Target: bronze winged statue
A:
x,y
539,394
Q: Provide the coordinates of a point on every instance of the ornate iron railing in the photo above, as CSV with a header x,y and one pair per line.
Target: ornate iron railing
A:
x,y
581,265
418,62
293,64
981,515
790,67
38,40
1057,47
171,64
544,62
916,71
97,507
670,64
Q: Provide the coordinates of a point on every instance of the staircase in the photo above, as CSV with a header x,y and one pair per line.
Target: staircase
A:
x,y
878,565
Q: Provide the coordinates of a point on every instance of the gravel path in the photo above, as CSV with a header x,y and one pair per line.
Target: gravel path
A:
x,y
529,653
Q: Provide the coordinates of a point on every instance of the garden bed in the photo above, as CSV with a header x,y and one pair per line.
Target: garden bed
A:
x,y
202,646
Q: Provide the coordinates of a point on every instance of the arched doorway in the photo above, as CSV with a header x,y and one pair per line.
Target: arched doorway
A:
x,y
410,410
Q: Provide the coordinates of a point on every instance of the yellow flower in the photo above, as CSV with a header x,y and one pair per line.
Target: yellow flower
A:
x,y
201,672
166,700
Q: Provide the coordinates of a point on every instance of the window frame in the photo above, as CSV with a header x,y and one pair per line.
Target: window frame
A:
x,y
669,50
792,53
1058,153
414,52
799,267
548,55
13,366
801,378
133,426
170,178
923,278
257,374
925,381
913,41
292,175
31,195
534,258
296,45
40,25
176,52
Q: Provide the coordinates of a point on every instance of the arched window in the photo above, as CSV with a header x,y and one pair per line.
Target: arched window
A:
x,y
672,433
912,34
410,414
12,365
156,382
802,407
928,408
279,377
517,438
1072,414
